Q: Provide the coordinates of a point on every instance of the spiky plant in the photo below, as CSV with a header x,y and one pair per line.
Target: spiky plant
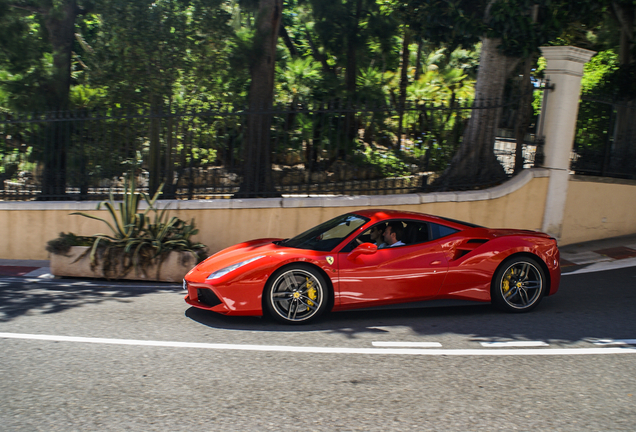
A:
x,y
141,238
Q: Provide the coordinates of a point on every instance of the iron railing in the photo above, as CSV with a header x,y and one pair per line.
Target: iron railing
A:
x,y
322,149
605,142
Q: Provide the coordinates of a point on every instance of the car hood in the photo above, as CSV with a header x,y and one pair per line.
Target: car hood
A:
x,y
237,253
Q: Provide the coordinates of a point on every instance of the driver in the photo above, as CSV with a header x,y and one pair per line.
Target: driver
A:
x,y
376,234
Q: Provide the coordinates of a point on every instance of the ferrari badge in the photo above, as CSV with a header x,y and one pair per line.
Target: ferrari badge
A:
x,y
330,260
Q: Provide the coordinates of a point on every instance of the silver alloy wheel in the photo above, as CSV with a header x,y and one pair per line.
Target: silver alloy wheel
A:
x,y
296,295
521,285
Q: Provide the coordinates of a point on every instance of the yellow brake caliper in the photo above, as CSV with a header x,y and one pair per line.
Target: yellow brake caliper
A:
x,y
506,281
311,292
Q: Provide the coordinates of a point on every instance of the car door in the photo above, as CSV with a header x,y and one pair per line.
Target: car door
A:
x,y
391,275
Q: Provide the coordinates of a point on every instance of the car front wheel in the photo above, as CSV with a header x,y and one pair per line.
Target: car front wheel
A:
x,y
296,294
518,285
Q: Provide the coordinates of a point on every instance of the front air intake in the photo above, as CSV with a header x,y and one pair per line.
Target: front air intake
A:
x,y
207,297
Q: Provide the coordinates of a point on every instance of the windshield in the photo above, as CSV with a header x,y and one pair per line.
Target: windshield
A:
x,y
327,235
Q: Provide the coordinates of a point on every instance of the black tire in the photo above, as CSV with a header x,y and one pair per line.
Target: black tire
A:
x,y
296,294
519,284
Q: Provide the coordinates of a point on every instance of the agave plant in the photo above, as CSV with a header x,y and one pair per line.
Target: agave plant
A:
x,y
142,239
128,223
161,236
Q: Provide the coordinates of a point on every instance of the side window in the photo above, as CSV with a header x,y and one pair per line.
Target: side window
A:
x,y
439,231
416,232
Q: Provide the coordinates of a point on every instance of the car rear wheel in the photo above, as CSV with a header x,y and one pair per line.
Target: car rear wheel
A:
x,y
518,285
297,294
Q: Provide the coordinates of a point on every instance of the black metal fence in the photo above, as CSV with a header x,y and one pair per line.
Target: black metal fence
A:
x,y
324,149
605,143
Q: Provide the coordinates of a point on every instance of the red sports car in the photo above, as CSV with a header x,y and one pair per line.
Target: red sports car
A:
x,y
372,258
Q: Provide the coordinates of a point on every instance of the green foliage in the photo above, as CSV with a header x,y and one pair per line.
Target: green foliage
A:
x,y
600,80
464,22
353,35
372,86
298,79
191,55
25,59
385,161
600,72
149,52
82,96
15,160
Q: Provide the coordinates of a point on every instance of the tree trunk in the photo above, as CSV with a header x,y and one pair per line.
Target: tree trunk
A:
x,y
60,26
288,41
475,162
257,176
624,134
624,15
404,82
170,187
351,75
328,70
154,151
418,61
524,113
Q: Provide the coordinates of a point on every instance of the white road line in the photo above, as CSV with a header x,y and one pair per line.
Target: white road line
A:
x,y
407,344
514,344
603,266
606,342
329,350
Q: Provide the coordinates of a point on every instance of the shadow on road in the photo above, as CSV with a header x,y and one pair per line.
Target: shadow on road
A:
x,y
20,296
588,306
592,305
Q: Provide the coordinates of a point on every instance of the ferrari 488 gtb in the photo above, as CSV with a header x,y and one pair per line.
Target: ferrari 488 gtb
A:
x,y
372,258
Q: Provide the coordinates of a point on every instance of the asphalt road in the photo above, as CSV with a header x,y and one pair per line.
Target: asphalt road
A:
x,y
137,358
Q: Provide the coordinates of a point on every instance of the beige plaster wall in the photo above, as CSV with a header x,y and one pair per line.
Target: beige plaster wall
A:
x,y
222,228
27,231
517,204
598,208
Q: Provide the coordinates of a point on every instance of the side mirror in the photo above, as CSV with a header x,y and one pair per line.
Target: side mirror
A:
x,y
363,249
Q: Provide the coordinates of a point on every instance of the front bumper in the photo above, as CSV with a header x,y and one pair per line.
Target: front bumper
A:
x,y
235,300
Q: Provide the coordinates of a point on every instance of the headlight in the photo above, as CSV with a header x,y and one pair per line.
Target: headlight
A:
x,y
217,274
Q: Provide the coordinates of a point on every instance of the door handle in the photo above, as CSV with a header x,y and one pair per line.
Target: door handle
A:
x,y
436,262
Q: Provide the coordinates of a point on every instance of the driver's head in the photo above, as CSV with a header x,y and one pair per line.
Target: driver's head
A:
x,y
393,232
376,232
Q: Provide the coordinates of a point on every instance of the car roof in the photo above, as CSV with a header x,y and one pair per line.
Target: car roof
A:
x,y
378,215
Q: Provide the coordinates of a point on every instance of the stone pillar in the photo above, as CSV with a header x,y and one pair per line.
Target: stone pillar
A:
x,y
564,70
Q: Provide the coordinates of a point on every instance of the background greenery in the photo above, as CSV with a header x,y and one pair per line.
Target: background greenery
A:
x,y
145,56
